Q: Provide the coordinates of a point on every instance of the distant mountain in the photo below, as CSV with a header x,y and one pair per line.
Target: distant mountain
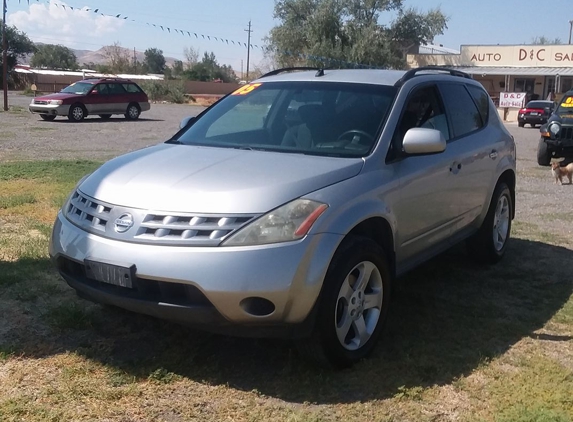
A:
x,y
98,57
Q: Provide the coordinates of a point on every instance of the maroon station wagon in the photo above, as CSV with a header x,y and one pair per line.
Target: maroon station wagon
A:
x,y
102,97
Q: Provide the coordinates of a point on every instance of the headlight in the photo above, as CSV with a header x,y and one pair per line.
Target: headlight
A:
x,y
289,222
554,128
55,102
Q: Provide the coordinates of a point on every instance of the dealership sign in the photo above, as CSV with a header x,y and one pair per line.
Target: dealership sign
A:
x,y
511,99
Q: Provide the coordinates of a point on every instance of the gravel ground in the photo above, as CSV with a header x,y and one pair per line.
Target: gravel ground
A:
x,y
542,206
24,136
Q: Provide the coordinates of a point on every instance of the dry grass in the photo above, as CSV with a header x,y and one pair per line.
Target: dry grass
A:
x,y
463,342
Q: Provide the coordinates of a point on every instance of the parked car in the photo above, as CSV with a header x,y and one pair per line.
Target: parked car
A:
x,y
535,113
295,220
557,134
103,97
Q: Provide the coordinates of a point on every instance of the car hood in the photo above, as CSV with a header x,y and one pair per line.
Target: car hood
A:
x,y
565,119
56,96
180,178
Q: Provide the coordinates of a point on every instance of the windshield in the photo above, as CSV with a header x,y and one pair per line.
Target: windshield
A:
x,y
566,106
77,88
320,118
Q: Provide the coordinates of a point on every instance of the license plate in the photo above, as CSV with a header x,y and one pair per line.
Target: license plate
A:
x,y
534,114
117,275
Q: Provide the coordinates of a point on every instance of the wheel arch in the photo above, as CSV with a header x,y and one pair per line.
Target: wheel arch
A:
x,y
508,177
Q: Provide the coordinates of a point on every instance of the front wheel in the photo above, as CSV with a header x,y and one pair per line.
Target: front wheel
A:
x,y
47,117
489,243
353,305
543,153
521,124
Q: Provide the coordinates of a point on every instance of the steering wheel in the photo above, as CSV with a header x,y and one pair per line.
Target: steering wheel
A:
x,y
355,132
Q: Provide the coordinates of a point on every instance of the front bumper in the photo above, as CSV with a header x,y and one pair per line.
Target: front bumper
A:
x,y
50,110
204,286
538,120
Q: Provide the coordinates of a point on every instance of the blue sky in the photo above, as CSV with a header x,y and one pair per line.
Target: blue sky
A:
x,y
471,22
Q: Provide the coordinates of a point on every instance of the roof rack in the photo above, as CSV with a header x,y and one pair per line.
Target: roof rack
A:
x,y
413,72
320,70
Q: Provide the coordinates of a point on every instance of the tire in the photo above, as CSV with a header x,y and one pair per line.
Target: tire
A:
x,y
47,117
132,112
489,243
346,310
521,124
543,153
105,116
77,113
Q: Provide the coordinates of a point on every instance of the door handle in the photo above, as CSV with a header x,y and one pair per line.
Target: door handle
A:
x,y
493,154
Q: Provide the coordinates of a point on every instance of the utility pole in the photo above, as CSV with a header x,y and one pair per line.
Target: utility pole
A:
x,y
570,29
4,57
248,49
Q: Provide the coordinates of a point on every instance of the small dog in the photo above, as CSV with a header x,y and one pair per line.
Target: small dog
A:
x,y
558,172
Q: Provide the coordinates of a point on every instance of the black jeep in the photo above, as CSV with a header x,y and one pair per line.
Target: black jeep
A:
x,y
557,134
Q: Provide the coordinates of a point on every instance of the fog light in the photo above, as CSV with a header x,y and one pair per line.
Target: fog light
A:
x,y
257,306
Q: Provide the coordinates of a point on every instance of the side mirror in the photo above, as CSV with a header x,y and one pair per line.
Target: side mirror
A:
x,y
187,121
423,141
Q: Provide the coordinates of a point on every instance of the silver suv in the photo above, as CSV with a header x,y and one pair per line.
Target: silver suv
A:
x,y
289,207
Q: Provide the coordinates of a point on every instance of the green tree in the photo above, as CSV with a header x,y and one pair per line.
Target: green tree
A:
x,y
54,57
543,40
154,61
341,33
118,59
208,69
177,69
19,45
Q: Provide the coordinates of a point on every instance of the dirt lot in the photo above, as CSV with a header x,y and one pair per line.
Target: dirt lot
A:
x,y
464,342
25,136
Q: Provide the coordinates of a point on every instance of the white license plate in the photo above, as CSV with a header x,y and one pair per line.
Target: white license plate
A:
x,y
117,275
534,114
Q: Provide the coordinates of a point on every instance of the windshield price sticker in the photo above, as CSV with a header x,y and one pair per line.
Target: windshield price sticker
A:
x,y
247,89
568,102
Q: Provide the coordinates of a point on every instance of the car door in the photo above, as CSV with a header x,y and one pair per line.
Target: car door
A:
x,y
474,147
426,211
118,98
96,101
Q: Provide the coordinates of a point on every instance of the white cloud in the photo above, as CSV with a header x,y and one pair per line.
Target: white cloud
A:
x,y
63,24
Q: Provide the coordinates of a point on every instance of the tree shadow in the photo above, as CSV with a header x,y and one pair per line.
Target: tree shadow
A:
x,y
448,317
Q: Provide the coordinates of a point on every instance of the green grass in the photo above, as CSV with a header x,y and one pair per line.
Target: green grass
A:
x,y
463,342
57,171
11,201
70,316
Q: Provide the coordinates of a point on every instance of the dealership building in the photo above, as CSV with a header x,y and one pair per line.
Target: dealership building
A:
x,y
539,71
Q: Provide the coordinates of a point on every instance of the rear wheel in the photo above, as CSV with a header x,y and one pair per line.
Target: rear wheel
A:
x,y
132,112
521,124
105,116
489,243
353,305
47,117
77,113
544,154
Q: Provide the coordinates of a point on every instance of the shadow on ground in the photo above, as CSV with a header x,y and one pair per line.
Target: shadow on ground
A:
x,y
448,317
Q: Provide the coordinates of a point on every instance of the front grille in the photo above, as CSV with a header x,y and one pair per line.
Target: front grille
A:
x,y
177,228
157,228
40,102
566,133
88,213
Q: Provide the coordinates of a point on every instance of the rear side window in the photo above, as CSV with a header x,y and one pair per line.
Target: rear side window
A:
x,y
132,88
465,117
482,101
115,89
